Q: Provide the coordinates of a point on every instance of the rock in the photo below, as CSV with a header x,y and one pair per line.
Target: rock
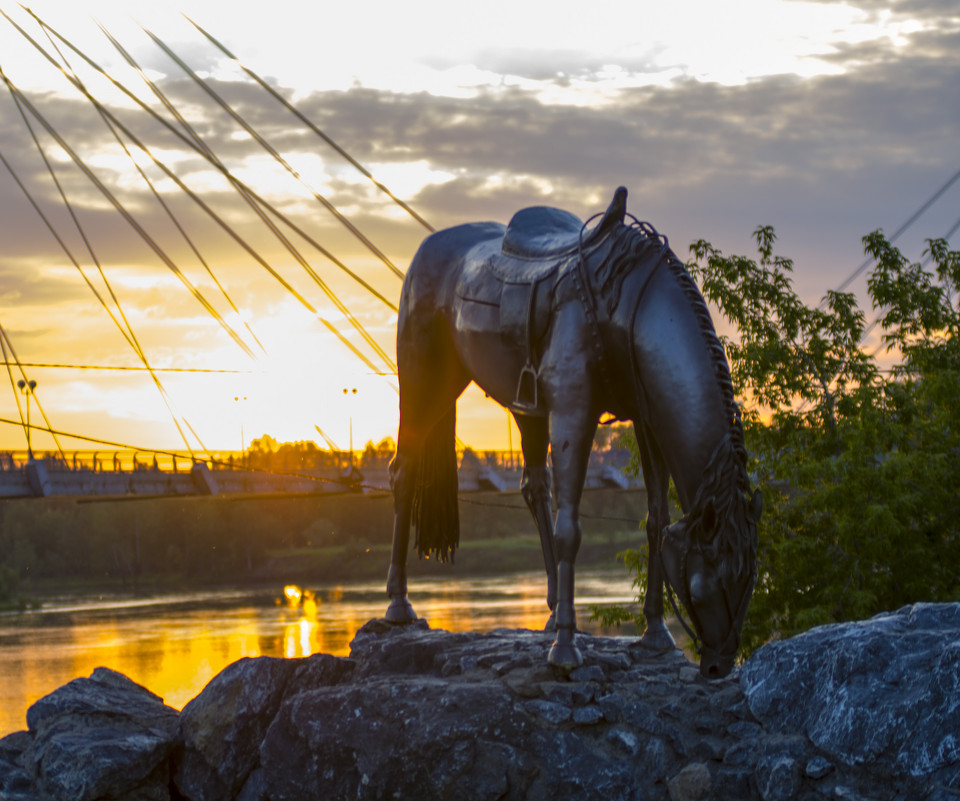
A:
x,y
778,777
425,714
732,782
588,715
550,711
101,737
883,692
588,673
690,784
223,727
15,782
347,742
818,767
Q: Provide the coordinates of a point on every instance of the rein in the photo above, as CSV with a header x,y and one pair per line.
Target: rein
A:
x,y
673,601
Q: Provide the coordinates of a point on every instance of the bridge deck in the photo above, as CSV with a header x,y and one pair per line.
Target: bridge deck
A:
x,y
51,475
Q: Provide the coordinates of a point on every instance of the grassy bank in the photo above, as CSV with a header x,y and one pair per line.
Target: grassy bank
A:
x,y
71,544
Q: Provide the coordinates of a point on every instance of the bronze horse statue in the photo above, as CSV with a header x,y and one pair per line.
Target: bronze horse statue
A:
x,y
562,324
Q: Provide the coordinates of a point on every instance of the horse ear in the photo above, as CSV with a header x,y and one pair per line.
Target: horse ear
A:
x,y
756,505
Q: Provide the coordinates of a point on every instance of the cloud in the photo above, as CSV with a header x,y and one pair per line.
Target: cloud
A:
x,y
824,159
680,144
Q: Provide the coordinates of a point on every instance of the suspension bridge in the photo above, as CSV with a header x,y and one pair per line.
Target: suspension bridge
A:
x,y
167,163
59,172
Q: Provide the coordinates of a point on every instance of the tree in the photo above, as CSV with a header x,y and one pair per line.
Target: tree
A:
x,y
858,465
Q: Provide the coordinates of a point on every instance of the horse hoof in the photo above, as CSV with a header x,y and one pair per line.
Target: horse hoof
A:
x,y
657,637
551,622
400,611
566,656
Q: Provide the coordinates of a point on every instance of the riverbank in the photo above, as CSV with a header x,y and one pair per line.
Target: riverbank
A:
x,y
163,545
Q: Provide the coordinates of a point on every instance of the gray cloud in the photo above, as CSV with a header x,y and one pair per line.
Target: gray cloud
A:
x,y
827,158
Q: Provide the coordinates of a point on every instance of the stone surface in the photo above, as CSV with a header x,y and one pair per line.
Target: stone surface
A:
x,y
861,711
883,692
101,737
692,783
16,784
221,729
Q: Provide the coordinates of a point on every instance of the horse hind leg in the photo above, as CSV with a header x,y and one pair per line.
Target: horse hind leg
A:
x,y
535,488
431,380
403,475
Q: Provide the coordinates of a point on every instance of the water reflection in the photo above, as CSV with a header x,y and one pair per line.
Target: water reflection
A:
x,y
175,644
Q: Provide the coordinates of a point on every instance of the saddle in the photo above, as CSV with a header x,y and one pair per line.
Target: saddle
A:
x,y
538,241
542,236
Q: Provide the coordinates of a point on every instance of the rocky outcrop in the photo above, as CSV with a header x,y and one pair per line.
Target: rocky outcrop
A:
x,y
100,737
858,711
883,694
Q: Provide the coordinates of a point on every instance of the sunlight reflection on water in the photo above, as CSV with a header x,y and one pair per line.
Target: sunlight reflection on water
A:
x,y
174,644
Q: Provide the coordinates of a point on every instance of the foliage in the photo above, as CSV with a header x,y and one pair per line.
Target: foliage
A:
x,y
266,453
858,464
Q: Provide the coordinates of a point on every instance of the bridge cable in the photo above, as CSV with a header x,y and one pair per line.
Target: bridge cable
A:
x,y
19,98
131,220
244,191
197,200
129,333
275,154
246,195
132,338
66,250
132,342
80,164
109,367
879,316
236,182
313,127
13,382
913,218
165,206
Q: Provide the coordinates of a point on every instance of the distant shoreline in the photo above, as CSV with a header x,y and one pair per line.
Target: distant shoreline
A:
x,y
57,546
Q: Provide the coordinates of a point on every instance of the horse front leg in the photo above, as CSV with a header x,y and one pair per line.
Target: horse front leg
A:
x,y
402,478
571,437
656,479
535,488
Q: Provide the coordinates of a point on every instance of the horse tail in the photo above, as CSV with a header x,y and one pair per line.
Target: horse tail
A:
x,y
435,512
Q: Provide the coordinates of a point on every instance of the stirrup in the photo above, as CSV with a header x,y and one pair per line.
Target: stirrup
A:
x,y
528,392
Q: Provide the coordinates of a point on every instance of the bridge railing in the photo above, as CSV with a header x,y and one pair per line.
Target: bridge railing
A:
x,y
128,461
119,461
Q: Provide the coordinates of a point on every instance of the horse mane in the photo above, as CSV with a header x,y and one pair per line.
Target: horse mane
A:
x,y
736,540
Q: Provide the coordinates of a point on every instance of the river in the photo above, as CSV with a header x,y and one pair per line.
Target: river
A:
x,y
174,644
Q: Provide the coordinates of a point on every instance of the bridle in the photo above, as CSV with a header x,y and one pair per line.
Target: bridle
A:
x,y
736,620
584,290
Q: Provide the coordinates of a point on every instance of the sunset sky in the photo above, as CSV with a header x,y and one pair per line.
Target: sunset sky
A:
x,y
824,119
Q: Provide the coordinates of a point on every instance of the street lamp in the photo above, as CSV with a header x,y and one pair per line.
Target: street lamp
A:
x,y
348,392
27,388
243,441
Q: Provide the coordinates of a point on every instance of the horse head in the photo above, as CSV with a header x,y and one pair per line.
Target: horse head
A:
x,y
709,558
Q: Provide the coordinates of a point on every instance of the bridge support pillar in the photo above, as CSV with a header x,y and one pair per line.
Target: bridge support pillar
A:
x,y
38,478
204,480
